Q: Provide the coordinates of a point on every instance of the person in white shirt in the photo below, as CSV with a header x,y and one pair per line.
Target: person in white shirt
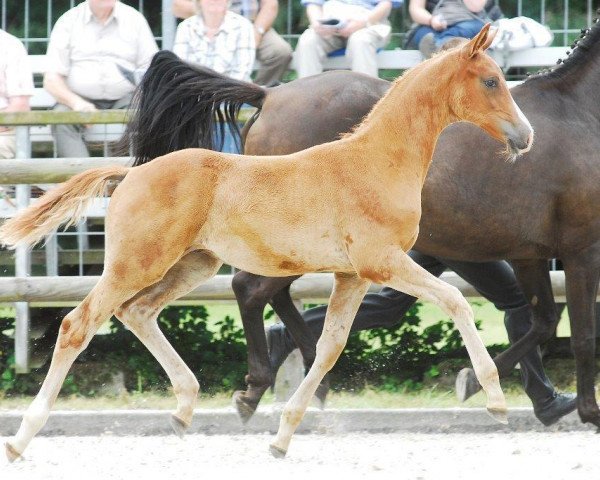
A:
x,y
91,48
16,86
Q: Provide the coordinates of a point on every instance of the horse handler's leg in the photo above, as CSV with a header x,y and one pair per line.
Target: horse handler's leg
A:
x,y
76,330
348,292
140,314
400,272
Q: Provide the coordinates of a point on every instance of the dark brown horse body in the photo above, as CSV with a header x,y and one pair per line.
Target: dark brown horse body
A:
x,y
544,206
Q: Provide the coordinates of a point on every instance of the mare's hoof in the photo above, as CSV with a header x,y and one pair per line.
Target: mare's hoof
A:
x,y
11,453
321,395
499,415
244,408
466,384
277,452
178,426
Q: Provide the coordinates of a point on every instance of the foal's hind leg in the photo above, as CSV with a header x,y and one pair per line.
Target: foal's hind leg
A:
x,y
140,314
77,329
348,292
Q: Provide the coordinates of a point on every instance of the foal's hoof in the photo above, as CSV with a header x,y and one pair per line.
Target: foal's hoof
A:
x,y
178,426
244,408
499,415
277,452
466,384
11,453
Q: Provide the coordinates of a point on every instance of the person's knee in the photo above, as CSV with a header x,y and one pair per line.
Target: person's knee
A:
x,y
309,40
276,54
360,42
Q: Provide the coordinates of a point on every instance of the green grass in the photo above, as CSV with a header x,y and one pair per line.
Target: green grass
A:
x,y
492,320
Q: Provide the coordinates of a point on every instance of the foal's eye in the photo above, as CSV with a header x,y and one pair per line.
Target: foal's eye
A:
x,y
491,83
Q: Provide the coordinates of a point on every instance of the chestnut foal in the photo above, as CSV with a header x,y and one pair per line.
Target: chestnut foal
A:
x,y
172,223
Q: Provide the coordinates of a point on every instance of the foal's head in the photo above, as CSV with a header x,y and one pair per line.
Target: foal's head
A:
x,y
481,96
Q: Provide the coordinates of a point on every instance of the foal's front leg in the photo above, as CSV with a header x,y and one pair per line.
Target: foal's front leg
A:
x,y
397,270
348,292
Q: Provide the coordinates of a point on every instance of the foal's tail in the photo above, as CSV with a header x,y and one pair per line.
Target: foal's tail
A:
x,y
66,203
179,105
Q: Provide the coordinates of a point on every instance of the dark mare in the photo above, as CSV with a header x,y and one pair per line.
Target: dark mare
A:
x,y
544,206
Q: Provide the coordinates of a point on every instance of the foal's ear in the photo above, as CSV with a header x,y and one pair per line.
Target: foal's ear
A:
x,y
481,42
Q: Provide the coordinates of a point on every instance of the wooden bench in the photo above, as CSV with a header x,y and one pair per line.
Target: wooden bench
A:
x,y
386,59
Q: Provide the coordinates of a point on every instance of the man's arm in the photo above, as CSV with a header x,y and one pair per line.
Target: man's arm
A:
x,y
267,13
18,103
419,13
57,86
380,12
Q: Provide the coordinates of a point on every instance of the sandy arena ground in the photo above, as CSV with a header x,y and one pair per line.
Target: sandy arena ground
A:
x,y
510,456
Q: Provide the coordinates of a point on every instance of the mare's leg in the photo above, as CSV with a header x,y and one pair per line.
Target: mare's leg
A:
x,y
581,277
252,293
76,331
302,336
348,291
534,279
141,312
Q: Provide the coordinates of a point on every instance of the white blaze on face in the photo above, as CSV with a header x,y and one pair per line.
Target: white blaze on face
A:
x,y
523,119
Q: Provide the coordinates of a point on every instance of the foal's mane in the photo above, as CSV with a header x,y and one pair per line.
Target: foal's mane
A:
x,y
406,76
587,40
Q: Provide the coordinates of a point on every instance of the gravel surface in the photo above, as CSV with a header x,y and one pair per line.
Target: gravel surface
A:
x,y
507,456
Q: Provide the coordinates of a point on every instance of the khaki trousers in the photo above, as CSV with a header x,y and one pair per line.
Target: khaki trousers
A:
x,y
274,55
361,50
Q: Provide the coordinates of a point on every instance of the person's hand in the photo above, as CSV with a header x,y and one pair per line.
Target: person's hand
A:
x,y
438,23
322,30
257,38
351,26
82,105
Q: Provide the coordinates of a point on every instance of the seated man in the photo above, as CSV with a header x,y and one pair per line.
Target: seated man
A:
x,y
496,282
90,48
272,51
16,86
361,26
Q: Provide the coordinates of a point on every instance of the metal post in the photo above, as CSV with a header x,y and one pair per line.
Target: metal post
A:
x,y
169,25
22,261
52,256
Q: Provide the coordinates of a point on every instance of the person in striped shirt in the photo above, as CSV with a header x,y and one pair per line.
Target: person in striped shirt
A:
x,y
272,51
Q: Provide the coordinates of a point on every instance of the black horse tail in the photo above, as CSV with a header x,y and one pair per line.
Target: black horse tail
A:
x,y
180,105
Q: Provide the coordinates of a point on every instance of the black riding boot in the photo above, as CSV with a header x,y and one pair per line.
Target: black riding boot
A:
x,y
548,405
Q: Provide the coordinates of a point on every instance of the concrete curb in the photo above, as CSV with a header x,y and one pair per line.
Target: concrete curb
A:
x,y
266,420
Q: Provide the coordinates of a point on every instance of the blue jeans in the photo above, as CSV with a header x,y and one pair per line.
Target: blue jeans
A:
x,y
229,144
466,29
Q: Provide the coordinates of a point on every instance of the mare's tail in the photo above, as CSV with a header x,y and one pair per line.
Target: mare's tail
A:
x,y
66,203
179,105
